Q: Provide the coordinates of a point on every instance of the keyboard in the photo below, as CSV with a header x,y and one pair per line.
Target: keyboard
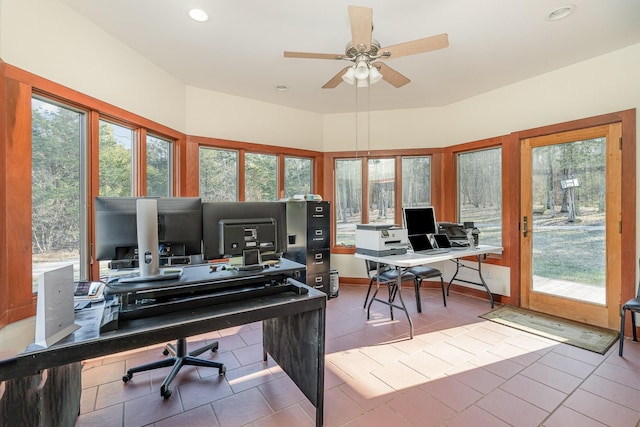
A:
x,y
435,251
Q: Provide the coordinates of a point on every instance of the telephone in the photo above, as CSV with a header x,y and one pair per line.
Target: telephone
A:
x,y
87,290
457,233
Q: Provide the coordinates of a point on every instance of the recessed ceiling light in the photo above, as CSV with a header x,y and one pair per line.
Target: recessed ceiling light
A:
x,y
281,88
561,12
198,15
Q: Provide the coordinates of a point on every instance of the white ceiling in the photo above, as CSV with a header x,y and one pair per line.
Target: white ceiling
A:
x,y
239,50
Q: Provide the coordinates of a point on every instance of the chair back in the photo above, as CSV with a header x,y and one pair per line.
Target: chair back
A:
x,y
374,266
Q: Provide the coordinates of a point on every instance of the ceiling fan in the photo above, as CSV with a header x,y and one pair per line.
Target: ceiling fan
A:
x,y
364,51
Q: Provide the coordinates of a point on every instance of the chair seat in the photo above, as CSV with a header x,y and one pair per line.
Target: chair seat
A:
x,y
390,275
633,305
425,272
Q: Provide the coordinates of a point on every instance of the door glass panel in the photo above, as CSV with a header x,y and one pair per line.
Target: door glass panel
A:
x,y
382,182
159,166
297,176
58,219
116,160
348,200
569,217
416,181
480,193
218,175
260,177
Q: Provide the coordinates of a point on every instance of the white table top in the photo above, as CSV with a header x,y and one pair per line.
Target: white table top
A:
x,y
411,259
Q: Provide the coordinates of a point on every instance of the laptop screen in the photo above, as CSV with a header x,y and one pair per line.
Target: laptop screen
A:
x,y
442,240
420,242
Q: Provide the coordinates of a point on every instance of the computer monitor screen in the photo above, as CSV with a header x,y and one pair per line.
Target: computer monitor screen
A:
x,y
229,228
420,220
179,227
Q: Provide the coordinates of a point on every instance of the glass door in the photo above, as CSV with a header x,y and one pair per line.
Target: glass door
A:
x,y
570,225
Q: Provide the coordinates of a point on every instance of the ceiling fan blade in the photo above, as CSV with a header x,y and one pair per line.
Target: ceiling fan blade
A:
x,y
417,46
310,55
361,19
391,76
335,80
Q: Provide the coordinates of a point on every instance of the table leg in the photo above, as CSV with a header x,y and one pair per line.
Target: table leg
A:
x,y
404,307
479,270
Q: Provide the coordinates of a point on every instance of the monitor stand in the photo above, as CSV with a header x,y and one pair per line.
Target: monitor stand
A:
x,y
148,255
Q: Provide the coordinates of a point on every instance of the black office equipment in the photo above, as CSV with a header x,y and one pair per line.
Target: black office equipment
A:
x,y
419,220
228,228
442,240
179,230
455,232
308,231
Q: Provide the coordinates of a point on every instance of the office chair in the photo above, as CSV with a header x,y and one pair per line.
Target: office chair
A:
x,y
633,305
421,273
388,276
179,358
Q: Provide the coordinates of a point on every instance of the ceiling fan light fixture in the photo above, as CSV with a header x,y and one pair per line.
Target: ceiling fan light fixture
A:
x,y
349,77
374,75
362,71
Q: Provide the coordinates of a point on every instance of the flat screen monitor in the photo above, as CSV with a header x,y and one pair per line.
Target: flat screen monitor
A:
x,y
420,220
179,227
229,228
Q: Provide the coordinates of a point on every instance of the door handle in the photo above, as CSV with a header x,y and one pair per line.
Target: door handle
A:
x,y
525,227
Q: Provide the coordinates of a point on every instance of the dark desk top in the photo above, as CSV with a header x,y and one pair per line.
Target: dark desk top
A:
x,y
198,276
87,342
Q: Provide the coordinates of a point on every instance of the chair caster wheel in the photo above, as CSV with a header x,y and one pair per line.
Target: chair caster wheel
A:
x,y
165,394
126,378
165,352
222,371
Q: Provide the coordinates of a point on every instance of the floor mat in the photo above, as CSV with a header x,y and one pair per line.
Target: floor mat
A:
x,y
590,338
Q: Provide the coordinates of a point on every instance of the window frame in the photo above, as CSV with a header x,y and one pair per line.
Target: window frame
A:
x,y
194,143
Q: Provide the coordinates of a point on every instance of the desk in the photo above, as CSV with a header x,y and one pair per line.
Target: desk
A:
x,y
293,334
411,259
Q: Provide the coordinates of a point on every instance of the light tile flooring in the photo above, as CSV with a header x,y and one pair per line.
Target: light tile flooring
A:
x,y
459,370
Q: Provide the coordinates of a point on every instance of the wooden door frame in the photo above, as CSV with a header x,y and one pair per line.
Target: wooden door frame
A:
x,y
606,315
628,143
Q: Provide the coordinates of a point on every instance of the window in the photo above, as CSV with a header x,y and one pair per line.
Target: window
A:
x,y
298,178
416,181
348,200
116,160
382,183
159,166
58,173
261,177
480,192
218,174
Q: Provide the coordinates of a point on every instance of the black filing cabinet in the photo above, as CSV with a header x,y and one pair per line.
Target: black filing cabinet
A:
x,y
309,240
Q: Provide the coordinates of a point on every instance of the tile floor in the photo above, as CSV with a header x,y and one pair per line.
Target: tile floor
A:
x,y
459,370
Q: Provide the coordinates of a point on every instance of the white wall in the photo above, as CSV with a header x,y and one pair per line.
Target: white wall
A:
x,y
601,85
219,115
47,38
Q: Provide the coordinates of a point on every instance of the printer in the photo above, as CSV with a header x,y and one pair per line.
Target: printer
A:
x,y
381,239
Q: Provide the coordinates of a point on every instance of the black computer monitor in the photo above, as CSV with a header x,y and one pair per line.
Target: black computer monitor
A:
x,y
179,227
420,220
229,228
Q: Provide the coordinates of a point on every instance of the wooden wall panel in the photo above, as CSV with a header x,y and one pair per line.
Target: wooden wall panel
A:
x,y
17,203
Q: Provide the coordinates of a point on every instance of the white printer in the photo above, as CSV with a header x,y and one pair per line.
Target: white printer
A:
x,y
381,239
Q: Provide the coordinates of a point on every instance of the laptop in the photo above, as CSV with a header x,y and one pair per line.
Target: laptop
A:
x,y
422,245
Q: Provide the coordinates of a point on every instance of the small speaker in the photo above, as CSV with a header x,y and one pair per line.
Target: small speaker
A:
x,y
54,309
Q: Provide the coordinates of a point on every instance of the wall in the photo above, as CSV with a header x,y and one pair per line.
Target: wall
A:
x,y
47,38
601,85
223,116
